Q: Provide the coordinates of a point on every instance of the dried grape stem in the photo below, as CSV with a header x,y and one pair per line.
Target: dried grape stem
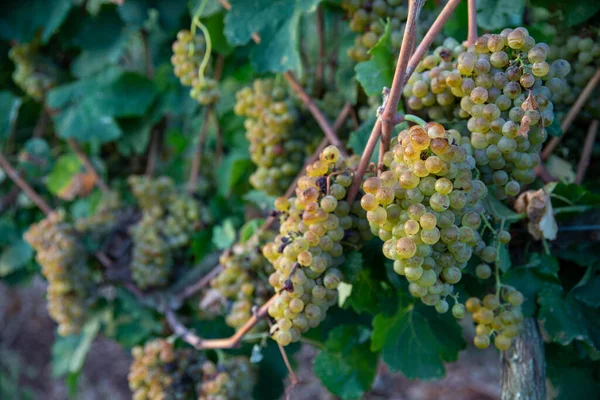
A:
x,y
25,187
314,110
228,343
472,10
572,114
587,152
74,145
391,107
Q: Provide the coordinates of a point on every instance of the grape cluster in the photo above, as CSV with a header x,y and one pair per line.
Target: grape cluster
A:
x,y
161,372
243,280
232,379
426,207
65,266
276,148
505,87
583,54
31,74
168,220
314,225
496,316
188,52
367,17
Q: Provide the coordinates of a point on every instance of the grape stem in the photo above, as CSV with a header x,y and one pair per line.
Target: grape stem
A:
x,y
497,261
420,51
415,119
391,105
472,10
587,152
286,361
320,69
24,186
228,343
315,111
572,114
74,145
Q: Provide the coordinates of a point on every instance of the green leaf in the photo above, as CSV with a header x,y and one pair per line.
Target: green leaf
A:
x,y
234,168
210,8
570,376
9,110
378,72
498,14
577,194
249,228
498,210
14,257
416,340
8,232
62,173
133,322
216,25
540,272
88,334
20,21
457,25
368,294
580,11
589,293
130,95
277,21
224,235
35,159
69,353
260,199
554,129
359,138
504,259
562,317
347,367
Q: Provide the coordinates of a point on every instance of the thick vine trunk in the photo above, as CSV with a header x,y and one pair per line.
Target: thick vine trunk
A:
x,y
523,374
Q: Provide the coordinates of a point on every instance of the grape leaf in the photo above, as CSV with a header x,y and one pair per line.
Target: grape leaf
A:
x,y
20,21
277,21
68,353
35,159
260,199
359,138
133,323
250,228
62,173
14,257
224,235
540,272
234,169
497,14
378,72
580,11
589,293
9,110
416,340
571,377
347,366
457,25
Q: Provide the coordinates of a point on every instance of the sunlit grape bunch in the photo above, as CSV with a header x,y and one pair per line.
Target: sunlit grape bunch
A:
x,y
32,74
160,371
368,18
426,207
188,53
244,279
306,253
65,265
169,218
231,379
497,317
276,148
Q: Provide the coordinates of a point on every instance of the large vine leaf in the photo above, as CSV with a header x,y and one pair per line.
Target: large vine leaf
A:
x,y
497,14
347,366
589,293
359,138
21,20
14,257
277,21
378,72
416,340
9,110
571,377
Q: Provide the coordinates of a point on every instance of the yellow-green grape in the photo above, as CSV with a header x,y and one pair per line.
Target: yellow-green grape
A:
x,y
33,74
168,221
496,317
277,148
430,224
243,280
188,52
231,379
64,264
160,371
309,247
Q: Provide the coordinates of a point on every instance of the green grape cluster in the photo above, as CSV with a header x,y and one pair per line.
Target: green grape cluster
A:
x,y
276,148
231,379
582,54
505,86
188,52
314,225
497,315
427,208
31,74
161,372
168,220
65,266
243,280
105,217
368,18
